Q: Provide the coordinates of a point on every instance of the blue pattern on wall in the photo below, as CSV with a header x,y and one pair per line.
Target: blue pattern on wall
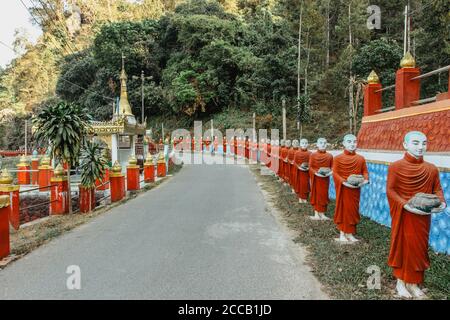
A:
x,y
375,206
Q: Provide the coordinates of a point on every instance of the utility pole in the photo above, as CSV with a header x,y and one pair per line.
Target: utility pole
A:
x,y
283,102
299,61
405,32
142,96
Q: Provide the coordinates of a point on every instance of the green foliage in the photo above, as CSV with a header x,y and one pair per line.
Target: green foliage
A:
x,y
64,126
304,111
92,163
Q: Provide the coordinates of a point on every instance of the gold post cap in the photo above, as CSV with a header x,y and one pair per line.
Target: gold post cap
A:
x,y
23,162
373,78
116,168
59,171
45,161
408,61
6,177
149,160
132,161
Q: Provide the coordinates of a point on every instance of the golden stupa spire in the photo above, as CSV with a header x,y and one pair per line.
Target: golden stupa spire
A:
x,y
124,105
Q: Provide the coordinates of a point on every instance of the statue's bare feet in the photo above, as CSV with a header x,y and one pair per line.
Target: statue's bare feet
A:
x,y
342,238
351,238
293,191
323,216
315,217
415,290
402,291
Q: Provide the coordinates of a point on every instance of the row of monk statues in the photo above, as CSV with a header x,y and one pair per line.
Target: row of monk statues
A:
x,y
413,191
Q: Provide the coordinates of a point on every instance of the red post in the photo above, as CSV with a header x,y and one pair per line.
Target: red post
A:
x,y
23,173
372,98
59,195
149,169
45,174
133,175
406,90
34,173
12,191
4,227
117,183
161,165
86,199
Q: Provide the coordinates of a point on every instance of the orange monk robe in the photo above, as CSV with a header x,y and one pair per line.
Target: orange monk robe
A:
x,y
346,214
302,178
292,174
224,144
282,157
408,254
319,185
284,153
235,146
268,154
274,157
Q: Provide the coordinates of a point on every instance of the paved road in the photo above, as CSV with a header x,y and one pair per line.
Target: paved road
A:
x,y
205,234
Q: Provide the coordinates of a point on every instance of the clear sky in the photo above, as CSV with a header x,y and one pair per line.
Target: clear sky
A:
x,y
13,15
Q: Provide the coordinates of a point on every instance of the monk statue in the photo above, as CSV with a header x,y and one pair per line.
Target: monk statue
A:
x,y
292,167
349,174
320,163
301,162
414,192
286,167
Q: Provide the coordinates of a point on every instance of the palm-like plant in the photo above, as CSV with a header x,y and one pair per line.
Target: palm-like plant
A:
x,y
64,126
93,164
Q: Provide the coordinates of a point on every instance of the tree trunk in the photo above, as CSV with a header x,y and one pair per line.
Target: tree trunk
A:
x,y
299,63
327,60
308,51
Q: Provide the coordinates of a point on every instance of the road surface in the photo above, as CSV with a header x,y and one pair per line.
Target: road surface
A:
x,y
205,234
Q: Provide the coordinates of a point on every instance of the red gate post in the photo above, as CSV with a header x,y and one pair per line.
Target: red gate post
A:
x,y
161,165
4,227
406,90
372,98
12,191
86,199
59,195
149,169
23,173
34,168
117,182
45,173
133,174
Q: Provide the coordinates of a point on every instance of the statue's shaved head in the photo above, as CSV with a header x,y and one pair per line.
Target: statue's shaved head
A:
x,y
410,135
